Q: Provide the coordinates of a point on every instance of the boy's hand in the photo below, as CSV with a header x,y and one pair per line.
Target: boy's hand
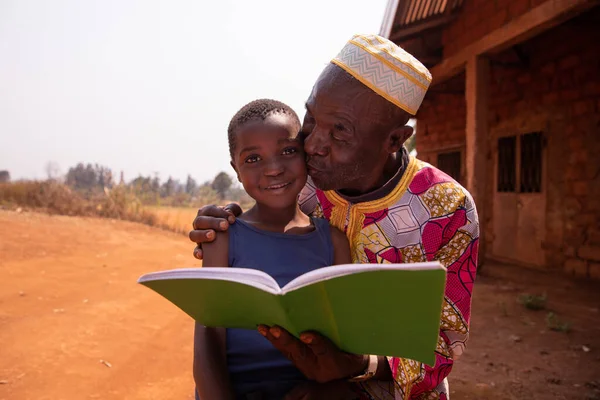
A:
x,y
210,219
315,355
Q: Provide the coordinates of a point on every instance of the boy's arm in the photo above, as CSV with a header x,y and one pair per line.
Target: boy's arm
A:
x,y
341,247
210,362
210,365
216,253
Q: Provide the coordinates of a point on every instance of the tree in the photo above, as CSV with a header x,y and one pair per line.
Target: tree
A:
x,y
221,184
82,177
147,189
89,177
191,187
52,170
411,144
169,188
4,176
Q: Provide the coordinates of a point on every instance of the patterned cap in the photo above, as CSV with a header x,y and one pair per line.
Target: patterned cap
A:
x,y
386,69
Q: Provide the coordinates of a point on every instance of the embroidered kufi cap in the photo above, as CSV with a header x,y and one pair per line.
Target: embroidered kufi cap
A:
x,y
387,69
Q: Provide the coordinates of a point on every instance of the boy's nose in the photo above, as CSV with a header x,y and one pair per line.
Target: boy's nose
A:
x,y
274,168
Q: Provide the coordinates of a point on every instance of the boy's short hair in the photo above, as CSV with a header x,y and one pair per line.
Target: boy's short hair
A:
x,y
257,110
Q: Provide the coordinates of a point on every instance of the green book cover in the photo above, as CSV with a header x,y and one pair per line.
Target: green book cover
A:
x,y
380,309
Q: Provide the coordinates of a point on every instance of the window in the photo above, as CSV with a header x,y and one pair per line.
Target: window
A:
x,y
507,177
450,163
531,163
520,163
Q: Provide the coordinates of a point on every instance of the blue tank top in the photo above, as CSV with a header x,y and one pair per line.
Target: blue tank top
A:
x,y
255,366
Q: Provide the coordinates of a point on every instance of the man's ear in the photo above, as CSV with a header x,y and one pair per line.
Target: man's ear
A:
x,y
237,174
397,137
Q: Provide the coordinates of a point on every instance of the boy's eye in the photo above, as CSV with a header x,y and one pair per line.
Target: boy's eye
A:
x,y
251,159
290,150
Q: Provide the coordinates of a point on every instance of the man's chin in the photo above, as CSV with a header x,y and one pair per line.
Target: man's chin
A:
x,y
322,184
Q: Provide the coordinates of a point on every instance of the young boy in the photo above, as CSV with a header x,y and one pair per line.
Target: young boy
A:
x,y
274,236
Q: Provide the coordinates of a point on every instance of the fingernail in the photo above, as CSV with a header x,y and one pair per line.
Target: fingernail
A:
x,y
262,330
223,225
210,235
275,332
306,339
231,219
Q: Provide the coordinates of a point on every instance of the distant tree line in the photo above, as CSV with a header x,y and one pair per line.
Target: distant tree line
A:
x,y
93,179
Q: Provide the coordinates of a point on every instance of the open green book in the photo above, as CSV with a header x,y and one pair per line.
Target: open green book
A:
x,y
380,309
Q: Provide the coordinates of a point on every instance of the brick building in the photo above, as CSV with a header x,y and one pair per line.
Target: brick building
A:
x,y
514,115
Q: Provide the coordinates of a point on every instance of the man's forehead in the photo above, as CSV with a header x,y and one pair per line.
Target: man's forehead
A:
x,y
339,93
335,83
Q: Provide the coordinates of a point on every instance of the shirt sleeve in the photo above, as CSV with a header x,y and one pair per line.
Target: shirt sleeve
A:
x,y
456,249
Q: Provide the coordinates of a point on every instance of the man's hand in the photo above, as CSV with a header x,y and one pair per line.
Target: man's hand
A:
x,y
315,355
209,220
336,390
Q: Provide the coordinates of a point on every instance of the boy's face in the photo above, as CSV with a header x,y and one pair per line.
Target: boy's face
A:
x,y
269,160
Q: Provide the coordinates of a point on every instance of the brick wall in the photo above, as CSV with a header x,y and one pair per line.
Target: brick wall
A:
x,y
480,17
441,119
555,88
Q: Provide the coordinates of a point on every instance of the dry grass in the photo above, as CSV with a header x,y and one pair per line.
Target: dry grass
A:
x,y
57,198
178,219
118,203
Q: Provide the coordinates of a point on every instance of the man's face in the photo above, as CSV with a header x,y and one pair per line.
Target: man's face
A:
x,y
344,140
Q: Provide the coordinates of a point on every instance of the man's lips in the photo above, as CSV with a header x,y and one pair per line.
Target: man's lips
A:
x,y
314,169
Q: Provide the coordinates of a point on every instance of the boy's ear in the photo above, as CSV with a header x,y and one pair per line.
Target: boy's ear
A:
x,y
397,137
237,174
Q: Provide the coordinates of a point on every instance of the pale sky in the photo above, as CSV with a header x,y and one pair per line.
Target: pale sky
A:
x,y
150,86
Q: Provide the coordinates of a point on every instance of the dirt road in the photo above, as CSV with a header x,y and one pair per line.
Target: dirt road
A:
x,y
68,299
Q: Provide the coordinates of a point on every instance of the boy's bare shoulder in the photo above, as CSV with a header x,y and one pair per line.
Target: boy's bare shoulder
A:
x,y
341,247
337,235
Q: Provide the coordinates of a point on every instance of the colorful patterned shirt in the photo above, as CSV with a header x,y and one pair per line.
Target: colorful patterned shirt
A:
x,y
427,216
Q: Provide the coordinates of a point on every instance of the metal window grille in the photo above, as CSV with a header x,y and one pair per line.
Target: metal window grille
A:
x,y
507,168
450,163
531,162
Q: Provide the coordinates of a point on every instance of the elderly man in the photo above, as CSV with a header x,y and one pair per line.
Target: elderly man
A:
x,y
393,208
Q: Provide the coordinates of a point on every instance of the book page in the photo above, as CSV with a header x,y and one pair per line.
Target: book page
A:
x,y
250,277
323,274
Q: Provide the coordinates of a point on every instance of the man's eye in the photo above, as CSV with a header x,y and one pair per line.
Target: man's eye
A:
x,y
290,150
251,159
339,127
336,137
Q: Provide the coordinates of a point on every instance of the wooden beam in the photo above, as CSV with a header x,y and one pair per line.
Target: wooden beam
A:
x,y
389,18
476,148
532,23
403,33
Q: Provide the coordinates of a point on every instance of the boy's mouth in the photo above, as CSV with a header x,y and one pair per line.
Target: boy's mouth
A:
x,y
276,186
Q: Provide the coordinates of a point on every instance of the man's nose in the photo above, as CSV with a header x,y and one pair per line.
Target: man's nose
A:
x,y
274,167
316,142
